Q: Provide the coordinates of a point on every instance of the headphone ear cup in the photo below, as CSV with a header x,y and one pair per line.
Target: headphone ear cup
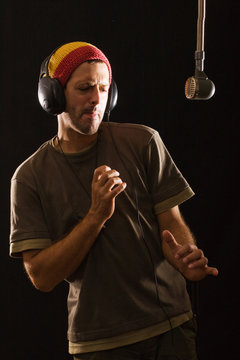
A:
x,y
51,95
112,97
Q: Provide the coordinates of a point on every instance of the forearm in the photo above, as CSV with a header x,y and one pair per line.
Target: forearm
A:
x,y
50,266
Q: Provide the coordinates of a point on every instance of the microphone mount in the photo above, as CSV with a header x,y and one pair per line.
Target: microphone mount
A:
x,y
199,87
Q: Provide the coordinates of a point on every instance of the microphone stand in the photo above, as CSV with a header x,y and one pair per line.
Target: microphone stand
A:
x,y
200,53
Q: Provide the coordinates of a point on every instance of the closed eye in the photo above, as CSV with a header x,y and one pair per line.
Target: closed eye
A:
x,y
90,87
85,88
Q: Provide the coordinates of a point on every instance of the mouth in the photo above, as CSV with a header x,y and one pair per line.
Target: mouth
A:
x,y
92,113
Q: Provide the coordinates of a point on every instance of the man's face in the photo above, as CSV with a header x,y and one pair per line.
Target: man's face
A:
x,y
86,97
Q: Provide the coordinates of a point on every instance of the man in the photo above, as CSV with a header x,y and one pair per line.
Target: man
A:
x,y
98,206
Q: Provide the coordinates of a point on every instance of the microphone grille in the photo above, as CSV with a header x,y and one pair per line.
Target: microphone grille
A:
x,y
190,88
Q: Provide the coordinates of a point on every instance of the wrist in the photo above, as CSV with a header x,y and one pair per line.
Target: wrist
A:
x,y
95,220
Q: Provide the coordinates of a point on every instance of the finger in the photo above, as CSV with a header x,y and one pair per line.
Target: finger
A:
x,y
99,171
212,271
111,183
185,250
118,189
108,175
200,263
168,237
193,254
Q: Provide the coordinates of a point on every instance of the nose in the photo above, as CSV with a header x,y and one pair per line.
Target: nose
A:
x,y
95,95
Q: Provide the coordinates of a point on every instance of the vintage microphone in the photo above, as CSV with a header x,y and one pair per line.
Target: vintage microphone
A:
x,y
199,87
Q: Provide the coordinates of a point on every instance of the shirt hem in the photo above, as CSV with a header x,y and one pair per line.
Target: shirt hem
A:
x,y
17,247
130,337
177,199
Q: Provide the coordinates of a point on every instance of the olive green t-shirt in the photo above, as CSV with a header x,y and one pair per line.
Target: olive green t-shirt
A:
x,y
125,284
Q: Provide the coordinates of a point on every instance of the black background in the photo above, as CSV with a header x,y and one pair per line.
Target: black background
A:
x,y
150,45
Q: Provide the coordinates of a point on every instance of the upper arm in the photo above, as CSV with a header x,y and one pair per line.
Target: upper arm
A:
x,y
29,229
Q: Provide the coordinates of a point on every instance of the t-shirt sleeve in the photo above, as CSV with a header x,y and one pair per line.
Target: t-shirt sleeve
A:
x,y
167,185
28,227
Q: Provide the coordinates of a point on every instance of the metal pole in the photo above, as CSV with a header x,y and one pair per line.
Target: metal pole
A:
x,y
199,53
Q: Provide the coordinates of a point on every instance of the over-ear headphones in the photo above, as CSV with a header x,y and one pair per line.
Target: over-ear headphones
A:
x,y
51,92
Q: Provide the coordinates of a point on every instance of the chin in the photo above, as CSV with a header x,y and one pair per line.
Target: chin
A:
x,y
89,126
89,130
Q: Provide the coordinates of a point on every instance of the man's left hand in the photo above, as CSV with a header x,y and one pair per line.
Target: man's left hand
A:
x,y
189,259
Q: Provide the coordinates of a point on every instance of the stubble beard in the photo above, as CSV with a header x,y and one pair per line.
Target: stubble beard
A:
x,y
87,126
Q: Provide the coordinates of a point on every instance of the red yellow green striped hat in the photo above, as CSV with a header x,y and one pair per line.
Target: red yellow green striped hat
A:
x,y
69,56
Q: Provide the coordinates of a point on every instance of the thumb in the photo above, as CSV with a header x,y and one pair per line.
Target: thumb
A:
x,y
168,237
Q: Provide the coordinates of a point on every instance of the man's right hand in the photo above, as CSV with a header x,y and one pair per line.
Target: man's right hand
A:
x,y
106,186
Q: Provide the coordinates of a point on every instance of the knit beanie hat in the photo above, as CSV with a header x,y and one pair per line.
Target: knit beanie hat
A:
x,y
69,56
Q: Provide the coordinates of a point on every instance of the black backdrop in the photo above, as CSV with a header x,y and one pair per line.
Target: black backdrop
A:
x,y
151,46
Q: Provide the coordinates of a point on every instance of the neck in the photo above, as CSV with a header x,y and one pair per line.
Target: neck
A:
x,y
75,142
